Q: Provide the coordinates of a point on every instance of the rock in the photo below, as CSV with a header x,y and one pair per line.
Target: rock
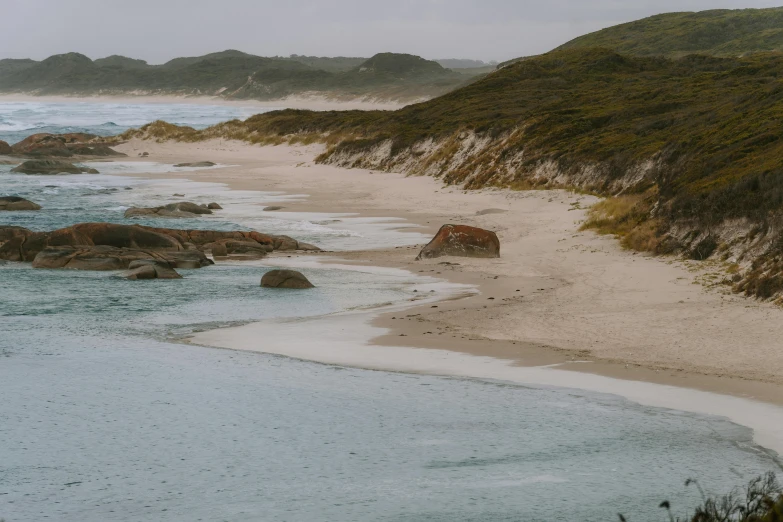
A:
x,y
62,145
5,148
463,241
178,195
307,247
491,211
214,206
285,279
219,250
112,258
144,154
151,271
197,164
285,243
272,208
51,167
17,203
184,209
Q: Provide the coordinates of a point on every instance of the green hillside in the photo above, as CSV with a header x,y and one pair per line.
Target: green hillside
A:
x,y
690,144
717,32
232,74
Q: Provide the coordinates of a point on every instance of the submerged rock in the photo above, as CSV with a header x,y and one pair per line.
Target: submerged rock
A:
x,y
149,271
51,167
184,209
197,164
17,203
463,241
285,279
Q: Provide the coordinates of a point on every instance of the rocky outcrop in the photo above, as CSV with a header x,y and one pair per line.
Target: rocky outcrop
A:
x,y
462,241
51,167
196,164
17,203
178,248
62,146
5,148
112,258
184,209
285,279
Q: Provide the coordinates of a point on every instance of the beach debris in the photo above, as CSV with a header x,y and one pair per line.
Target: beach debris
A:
x,y
17,203
285,279
50,167
491,211
182,209
463,241
197,164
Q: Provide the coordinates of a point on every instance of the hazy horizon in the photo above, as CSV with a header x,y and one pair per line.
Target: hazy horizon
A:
x,y
435,29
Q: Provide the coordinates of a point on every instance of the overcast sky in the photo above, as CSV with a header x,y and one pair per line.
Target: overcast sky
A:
x,y
157,30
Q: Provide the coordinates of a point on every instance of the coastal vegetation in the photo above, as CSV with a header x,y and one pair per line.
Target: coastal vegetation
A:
x,y
720,32
234,75
691,146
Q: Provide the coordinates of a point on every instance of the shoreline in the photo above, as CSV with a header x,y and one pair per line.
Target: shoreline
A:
x,y
314,103
509,356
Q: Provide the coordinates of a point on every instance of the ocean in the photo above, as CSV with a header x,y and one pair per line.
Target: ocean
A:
x,y
106,416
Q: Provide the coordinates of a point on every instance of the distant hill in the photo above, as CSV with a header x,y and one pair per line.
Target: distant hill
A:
x,y
717,33
233,74
461,63
691,148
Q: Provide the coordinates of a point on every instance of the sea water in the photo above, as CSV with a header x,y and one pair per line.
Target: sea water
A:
x,y
105,416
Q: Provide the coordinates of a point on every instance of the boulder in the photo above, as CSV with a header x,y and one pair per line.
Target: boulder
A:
x,y
285,279
214,206
307,247
17,203
219,250
462,241
272,208
51,167
182,209
62,145
5,148
150,271
112,258
196,164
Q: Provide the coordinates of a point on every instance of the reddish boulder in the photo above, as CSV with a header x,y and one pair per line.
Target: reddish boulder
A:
x,y
285,279
462,241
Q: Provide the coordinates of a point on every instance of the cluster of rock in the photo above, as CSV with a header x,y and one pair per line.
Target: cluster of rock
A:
x,y
182,209
51,167
106,246
17,203
462,241
46,145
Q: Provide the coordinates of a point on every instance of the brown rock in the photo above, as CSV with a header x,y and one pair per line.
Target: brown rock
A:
x,y
196,164
182,209
151,271
307,247
219,250
17,203
272,208
463,241
5,148
285,279
49,167
214,206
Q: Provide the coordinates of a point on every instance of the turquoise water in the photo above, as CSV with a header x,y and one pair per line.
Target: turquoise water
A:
x,y
105,418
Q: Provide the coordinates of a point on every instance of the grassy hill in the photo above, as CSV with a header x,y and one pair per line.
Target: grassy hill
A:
x,y
716,32
233,74
690,148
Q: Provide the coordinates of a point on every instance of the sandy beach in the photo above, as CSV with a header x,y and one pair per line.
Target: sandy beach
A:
x,y
313,103
557,298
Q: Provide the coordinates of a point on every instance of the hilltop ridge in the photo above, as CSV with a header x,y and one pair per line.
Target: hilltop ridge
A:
x,y
234,74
